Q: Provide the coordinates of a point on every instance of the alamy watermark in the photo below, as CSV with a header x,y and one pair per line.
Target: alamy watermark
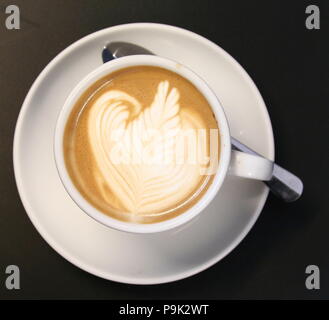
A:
x,y
13,277
169,147
313,19
13,20
312,281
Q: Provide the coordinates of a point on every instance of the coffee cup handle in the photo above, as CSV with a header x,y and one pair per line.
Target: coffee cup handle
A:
x,y
250,166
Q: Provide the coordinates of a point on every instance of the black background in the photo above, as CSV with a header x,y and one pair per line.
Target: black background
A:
x,y
288,63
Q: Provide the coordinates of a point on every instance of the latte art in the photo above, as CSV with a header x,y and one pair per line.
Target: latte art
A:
x,y
142,188
139,150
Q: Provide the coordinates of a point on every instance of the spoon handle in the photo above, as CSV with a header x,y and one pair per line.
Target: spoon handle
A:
x,y
283,184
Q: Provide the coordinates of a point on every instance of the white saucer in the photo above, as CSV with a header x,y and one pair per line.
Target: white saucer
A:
x,y
130,258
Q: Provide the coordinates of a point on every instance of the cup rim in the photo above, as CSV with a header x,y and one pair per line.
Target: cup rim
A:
x,y
225,145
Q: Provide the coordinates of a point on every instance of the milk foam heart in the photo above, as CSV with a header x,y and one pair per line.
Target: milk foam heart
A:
x,y
142,185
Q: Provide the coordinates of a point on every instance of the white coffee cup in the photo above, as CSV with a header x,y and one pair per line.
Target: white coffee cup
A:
x,y
230,161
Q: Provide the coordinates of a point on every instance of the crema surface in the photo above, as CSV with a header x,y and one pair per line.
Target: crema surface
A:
x,y
141,144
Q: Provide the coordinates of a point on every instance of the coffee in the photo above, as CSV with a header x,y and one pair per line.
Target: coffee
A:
x,y
141,144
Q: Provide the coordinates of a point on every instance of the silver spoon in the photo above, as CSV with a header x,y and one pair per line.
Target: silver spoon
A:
x,y
283,184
